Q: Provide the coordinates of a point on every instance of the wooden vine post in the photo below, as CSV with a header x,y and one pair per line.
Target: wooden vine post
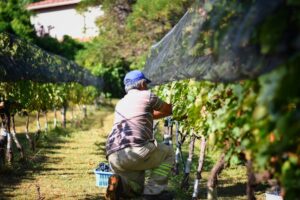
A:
x,y
38,126
14,137
213,178
187,169
55,118
200,167
30,140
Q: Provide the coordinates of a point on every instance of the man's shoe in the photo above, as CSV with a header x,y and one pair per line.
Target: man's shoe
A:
x,y
114,188
165,195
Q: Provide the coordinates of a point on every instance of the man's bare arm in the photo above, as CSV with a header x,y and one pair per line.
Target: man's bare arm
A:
x,y
166,110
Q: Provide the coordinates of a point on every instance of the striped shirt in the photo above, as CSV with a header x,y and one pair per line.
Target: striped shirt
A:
x,y
133,121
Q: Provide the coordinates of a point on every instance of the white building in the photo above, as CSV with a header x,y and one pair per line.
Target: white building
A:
x,y
59,17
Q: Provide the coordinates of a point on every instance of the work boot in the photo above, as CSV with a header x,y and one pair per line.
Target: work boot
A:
x,y
114,188
165,195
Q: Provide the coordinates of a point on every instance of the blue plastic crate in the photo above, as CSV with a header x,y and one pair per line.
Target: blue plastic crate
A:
x,y
102,178
273,197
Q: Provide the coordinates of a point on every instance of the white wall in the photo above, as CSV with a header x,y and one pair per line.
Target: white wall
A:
x,y
66,21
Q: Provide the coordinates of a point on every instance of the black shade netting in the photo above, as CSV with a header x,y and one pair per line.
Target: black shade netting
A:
x,y
21,60
215,41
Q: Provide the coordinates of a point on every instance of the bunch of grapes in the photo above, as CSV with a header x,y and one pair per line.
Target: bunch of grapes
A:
x,y
104,167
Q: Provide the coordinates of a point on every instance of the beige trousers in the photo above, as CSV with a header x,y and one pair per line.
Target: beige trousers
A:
x,y
132,162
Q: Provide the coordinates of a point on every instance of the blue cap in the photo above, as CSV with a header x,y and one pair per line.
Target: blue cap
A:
x,y
134,76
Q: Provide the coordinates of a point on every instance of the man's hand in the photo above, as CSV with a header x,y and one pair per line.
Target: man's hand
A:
x,y
165,110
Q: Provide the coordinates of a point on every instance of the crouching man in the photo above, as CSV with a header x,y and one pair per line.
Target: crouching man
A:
x,y
131,148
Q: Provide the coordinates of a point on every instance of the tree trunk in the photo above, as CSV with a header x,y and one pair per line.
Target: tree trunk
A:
x,y
46,121
30,140
9,151
251,181
64,116
187,169
213,178
200,167
38,126
96,105
55,118
14,137
72,116
84,109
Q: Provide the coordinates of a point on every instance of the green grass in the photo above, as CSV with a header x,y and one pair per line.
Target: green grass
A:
x,y
61,167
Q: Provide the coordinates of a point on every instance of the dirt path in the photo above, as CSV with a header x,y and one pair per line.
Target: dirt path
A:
x,y
62,168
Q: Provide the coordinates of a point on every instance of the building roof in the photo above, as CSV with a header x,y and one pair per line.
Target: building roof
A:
x,y
50,4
